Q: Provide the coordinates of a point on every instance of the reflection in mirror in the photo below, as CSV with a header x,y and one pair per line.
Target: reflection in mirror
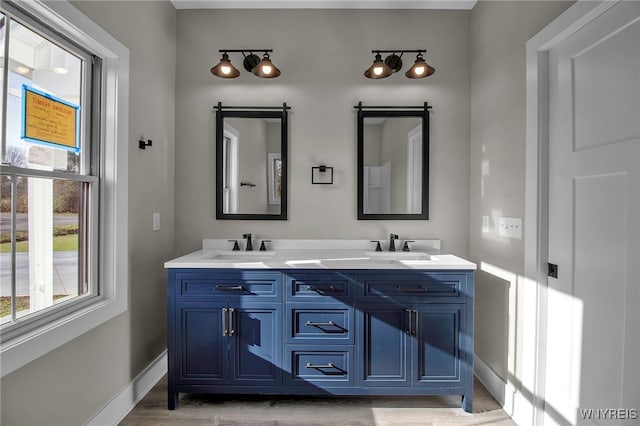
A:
x,y
251,166
393,164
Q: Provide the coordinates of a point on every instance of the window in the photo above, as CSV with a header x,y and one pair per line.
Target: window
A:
x,y
48,197
63,115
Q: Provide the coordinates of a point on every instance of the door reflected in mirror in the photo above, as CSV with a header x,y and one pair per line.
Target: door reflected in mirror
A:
x,y
251,164
393,164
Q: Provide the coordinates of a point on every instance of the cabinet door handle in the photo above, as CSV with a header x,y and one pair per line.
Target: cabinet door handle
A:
x,y
232,331
320,324
229,287
415,327
409,329
329,365
225,331
413,289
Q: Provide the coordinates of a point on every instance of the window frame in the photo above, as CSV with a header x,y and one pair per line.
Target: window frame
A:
x,y
60,325
88,173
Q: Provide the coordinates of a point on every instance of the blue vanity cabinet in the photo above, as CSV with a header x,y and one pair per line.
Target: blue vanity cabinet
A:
x,y
385,345
255,345
437,341
416,332
224,331
320,327
335,332
200,357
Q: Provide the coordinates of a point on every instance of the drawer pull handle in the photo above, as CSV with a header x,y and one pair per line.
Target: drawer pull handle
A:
x,y
413,289
329,365
324,369
229,288
329,289
320,324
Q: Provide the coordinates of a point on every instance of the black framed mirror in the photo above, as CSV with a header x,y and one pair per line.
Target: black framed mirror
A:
x,y
393,162
251,162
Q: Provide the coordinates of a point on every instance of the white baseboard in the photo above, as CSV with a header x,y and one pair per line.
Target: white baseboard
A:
x,y
513,402
118,408
489,379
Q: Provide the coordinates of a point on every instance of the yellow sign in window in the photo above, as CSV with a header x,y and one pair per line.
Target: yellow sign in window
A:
x,y
49,120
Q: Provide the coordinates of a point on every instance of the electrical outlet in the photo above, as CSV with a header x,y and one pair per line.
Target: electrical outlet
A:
x,y
485,224
156,221
510,227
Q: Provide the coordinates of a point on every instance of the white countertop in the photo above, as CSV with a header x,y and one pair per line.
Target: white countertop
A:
x,y
321,254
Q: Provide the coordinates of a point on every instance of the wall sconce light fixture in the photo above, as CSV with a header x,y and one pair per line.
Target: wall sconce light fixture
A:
x,y
263,68
393,64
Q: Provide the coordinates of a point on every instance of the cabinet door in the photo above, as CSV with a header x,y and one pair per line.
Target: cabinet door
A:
x,y
200,343
439,333
255,345
384,344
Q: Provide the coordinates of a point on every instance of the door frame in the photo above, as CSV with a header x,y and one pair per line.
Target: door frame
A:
x,y
536,224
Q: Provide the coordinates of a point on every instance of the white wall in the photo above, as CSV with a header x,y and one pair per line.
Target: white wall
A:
x,y
322,55
499,31
69,385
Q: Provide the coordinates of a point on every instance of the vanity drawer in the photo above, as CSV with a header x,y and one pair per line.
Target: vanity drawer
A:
x,y
314,286
330,325
413,285
320,368
214,284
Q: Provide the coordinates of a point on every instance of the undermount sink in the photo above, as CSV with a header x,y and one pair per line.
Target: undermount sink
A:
x,y
398,255
242,256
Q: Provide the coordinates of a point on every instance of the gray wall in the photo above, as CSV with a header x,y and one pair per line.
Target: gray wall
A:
x,y
499,32
480,62
70,384
322,55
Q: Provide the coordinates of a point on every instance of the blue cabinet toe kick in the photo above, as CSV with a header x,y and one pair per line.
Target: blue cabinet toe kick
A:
x,y
337,333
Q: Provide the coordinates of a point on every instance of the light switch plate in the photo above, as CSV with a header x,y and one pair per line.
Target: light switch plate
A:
x,y
485,224
510,227
156,221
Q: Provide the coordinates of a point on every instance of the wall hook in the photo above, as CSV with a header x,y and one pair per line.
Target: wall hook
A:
x,y
143,145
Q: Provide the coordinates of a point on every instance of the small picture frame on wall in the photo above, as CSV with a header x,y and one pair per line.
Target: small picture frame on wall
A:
x,y
322,175
274,170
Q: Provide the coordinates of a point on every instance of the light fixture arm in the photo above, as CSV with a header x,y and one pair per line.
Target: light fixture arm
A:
x,y
418,51
247,50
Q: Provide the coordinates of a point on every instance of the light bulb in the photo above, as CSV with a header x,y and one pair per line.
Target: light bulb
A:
x,y
266,69
22,70
419,70
378,70
226,69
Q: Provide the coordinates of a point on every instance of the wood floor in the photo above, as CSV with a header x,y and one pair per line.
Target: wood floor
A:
x,y
223,410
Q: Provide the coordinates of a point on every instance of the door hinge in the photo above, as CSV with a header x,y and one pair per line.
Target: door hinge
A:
x,y
552,270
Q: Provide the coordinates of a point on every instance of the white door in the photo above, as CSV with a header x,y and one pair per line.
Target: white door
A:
x,y
593,329
414,171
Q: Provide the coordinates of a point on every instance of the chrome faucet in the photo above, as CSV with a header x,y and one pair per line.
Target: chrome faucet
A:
x,y
392,245
249,245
